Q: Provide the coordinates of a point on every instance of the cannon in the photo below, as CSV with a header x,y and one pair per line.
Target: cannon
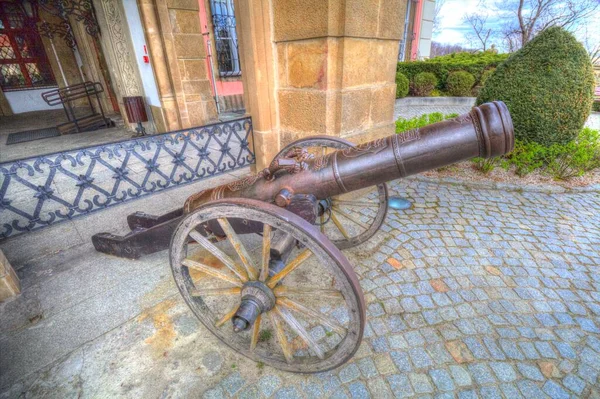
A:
x,y
259,260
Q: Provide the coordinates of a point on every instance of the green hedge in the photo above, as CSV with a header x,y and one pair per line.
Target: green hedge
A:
x,y
547,86
475,64
460,83
402,85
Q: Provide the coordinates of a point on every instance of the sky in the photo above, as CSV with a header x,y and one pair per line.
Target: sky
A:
x,y
454,30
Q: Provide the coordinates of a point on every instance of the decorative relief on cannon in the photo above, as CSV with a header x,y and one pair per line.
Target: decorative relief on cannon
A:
x,y
372,147
320,163
410,135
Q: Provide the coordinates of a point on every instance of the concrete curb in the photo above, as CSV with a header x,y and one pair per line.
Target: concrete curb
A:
x,y
436,101
545,188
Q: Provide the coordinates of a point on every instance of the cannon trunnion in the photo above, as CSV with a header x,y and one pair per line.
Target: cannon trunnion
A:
x,y
258,260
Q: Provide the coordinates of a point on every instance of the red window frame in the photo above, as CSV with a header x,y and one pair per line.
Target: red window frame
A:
x,y
33,48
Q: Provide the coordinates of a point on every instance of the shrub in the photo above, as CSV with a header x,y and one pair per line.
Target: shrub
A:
x,y
485,75
526,157
402,84
423,84
486,165
402,125
576,157
474,63
596,106
459,83
547,86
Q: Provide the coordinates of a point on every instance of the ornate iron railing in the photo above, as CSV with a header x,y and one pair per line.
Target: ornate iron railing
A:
x,y
44,190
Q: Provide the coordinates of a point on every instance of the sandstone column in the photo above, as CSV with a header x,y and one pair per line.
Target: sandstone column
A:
x,y
174,38
318,67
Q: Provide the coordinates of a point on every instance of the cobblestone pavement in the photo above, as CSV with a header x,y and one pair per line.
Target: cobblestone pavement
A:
x,y
472,293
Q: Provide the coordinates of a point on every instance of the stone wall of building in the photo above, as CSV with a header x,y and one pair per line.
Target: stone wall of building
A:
x,y
178,57
319,67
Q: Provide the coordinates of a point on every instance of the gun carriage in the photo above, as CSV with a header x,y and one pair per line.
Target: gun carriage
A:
x,y
259,260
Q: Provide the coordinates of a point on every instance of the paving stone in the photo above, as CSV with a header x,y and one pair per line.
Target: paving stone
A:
x,y
574,383
420,383
554,390
379,388
461,376
482,373
504,371
358,390
269,384
529,371
215,393
400,385
442,379
367,367
250,392
530,389
233,383
349,373
288,393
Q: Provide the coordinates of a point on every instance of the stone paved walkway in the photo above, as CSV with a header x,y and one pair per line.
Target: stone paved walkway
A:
x,y
472,293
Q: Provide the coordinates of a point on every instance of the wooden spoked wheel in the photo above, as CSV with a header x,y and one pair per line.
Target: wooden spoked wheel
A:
x,y
314,312
351,218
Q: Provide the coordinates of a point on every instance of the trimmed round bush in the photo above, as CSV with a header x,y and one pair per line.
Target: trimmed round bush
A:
x,y
423,84
402,84
548,86
459,83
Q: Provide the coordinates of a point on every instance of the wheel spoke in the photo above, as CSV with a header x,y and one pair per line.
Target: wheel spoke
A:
x,y
285,346
211,271
227,316
285,291
255,332
266,252
339,225
349,217
272,282
215,291
295,306
356,203
295,325
239,248
227,261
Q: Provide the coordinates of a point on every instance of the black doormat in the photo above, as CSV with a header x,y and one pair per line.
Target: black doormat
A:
x,y
31,135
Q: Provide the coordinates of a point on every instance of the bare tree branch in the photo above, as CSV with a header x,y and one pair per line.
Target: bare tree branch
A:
x,y
481,33
524,19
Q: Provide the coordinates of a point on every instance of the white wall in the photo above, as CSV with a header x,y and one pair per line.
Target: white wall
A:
x,y
28,100
139,41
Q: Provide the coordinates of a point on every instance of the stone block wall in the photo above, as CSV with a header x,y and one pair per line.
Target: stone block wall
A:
x,y
178,56
319,67
336,66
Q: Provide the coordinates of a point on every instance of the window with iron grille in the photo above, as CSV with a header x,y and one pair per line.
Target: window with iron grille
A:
x,y
225,37
23,60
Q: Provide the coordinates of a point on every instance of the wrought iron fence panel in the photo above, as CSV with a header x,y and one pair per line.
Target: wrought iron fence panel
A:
x,y
40,191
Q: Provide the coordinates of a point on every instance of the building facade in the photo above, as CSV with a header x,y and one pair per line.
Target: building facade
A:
x,y
298,67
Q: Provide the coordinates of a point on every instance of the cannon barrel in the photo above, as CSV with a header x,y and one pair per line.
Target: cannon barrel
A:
x,y
486,131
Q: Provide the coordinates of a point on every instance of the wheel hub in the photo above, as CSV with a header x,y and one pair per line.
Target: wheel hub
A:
x,y
257,298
